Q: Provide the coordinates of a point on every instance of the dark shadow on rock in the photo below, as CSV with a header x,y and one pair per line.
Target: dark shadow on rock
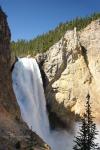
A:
x,y
84,54
43,75
13,63
59,116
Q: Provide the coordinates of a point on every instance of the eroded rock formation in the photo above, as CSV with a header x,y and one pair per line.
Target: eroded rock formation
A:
x,y
72,69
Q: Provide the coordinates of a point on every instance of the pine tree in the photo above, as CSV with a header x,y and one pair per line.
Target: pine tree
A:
x,y
87,133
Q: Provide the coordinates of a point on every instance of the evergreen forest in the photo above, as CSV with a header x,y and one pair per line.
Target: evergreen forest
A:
x,y
43,42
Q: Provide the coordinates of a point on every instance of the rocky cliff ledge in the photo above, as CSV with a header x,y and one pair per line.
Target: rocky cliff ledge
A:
x,y
14,133
71,70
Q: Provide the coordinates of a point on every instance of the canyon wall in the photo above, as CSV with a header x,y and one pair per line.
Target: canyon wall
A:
x,y
71,71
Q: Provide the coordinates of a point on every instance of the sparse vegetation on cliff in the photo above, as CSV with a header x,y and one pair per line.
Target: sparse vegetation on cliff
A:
x,y
43,42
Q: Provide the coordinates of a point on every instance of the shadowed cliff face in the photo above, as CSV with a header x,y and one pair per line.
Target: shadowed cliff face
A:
x,y
7,98
72,69
14,133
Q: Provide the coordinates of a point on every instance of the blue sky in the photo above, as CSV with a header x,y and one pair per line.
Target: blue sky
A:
x,y
29,18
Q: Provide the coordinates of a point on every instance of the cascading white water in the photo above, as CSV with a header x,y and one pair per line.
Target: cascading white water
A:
x,y
27,85
28,88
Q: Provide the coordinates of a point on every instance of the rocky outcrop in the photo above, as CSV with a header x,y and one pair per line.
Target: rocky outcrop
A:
x,y
14,133
72,69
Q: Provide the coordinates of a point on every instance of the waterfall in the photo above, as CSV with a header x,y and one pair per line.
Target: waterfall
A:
x,y
28,88
27,85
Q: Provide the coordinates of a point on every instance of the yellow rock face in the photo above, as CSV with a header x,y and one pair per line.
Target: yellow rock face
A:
x,y
72,67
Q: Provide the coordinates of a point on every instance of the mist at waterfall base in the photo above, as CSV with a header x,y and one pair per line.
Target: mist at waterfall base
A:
x,y
28,88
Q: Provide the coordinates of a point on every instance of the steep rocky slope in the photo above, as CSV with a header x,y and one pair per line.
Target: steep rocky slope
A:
x,y
14,133
71,70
